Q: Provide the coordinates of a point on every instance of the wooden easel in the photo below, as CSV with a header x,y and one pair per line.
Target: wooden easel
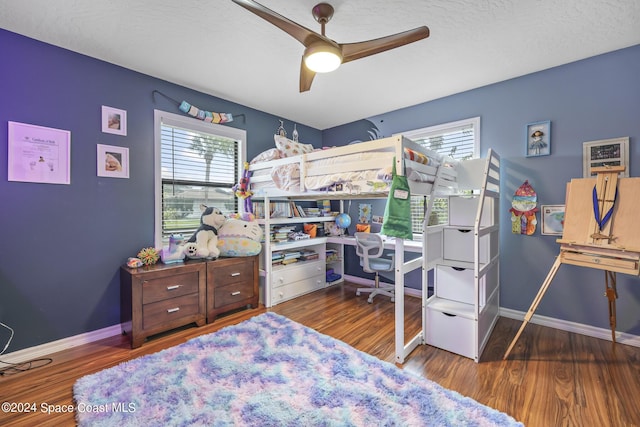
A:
x,y
599,232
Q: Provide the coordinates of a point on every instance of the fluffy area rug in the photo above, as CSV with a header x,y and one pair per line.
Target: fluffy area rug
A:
x,y
270,371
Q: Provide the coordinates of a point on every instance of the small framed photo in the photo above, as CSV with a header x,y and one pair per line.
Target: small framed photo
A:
x,y
113,161
114,121
605,152
552,219
538,139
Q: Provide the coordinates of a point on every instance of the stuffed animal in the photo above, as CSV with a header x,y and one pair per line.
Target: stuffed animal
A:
x,y
242,191
206,236
240,238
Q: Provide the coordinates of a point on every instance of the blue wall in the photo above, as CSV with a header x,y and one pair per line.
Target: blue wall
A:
x,y
593,99
63,244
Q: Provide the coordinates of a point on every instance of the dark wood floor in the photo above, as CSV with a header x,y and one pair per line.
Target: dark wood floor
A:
x,y
552,378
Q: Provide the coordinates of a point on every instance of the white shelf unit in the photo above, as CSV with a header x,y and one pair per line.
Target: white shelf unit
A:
x,y
463,310
280,283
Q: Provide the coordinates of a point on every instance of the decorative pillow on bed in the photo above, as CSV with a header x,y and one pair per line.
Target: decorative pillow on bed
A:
x,y
265,156
289,148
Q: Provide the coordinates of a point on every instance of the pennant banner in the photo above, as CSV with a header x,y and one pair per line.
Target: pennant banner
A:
x,y
206,116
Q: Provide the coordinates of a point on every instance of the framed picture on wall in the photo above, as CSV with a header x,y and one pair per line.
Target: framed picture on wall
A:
x,y
552,219
538,139
114,121
605,152
113,161
38,154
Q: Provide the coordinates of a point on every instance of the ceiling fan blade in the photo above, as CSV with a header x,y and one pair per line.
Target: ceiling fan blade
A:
x,y
306,77
352,51
297,31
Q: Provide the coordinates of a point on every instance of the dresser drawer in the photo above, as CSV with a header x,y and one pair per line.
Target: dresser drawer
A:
x,y
458,245
230,294
169,286
463,210
171,310
450,332
290,274
295,289
227,271
456,284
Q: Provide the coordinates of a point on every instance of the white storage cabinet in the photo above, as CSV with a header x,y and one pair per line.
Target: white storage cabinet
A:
x,y
463,310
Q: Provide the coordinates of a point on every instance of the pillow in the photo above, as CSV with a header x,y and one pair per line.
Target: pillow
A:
x,y
265,156
289,148
237,238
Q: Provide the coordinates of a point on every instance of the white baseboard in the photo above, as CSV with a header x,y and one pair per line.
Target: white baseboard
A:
x,y
563,325
89,337
59,345
578,328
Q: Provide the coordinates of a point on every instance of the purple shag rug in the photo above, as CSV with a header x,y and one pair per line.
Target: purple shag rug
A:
x,y
270,371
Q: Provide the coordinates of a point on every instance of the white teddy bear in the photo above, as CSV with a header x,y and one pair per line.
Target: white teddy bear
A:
x,y
204,242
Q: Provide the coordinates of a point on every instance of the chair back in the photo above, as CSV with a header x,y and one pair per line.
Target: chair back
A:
x,y
368,246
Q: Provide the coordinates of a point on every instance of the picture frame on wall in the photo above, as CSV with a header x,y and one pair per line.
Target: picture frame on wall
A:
x,y
114,121
538,139
605,152
113,162
552,219
38,154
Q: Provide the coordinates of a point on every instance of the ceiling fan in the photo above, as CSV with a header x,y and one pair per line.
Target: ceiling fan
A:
x,y
322,54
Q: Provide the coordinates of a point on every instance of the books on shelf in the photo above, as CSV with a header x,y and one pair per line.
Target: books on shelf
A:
x,y
290,257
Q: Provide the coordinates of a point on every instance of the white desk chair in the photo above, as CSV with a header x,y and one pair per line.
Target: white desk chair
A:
x,y
369,247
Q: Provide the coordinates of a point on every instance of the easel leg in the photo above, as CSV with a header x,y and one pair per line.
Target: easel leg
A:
x,y
534,304
612,295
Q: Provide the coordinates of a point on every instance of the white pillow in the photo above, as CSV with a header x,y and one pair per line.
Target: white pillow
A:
x,y
289,148
265,156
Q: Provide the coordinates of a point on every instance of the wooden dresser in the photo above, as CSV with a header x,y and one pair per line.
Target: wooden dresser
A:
x,y
231,283
161,297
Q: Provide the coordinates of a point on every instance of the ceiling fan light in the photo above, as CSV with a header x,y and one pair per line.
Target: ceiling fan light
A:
x,y
322,58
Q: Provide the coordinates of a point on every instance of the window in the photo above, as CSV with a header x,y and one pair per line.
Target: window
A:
x,y
460,140
196,163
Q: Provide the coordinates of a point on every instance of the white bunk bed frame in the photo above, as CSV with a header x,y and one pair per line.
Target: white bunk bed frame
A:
x,y
480,174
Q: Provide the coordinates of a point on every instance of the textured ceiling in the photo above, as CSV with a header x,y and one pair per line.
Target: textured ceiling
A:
x,y
219,48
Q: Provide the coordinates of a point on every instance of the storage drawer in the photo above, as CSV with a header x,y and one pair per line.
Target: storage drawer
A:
x,y
450,332
230,294
456,284
165,312
458,245
170,286
298,288
604,262
290,274
463,210
224,272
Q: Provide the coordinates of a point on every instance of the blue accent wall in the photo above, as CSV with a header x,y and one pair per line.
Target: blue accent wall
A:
x,y
64,244
593,99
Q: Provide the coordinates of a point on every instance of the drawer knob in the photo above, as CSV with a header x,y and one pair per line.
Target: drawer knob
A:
x,y
171,288
173,310
235,293
235,274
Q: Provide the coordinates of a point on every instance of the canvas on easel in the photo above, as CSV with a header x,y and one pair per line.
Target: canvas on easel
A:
x,y
600,232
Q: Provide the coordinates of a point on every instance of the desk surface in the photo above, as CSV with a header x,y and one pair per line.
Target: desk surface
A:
x,y
389,243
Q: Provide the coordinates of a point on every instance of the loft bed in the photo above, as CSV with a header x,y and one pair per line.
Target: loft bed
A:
x,y
363,170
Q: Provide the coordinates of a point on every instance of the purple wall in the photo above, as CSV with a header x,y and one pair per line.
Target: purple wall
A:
x,y
64,244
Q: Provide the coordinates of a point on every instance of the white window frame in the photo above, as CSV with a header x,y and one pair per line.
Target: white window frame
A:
x,y
429,131
160,117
